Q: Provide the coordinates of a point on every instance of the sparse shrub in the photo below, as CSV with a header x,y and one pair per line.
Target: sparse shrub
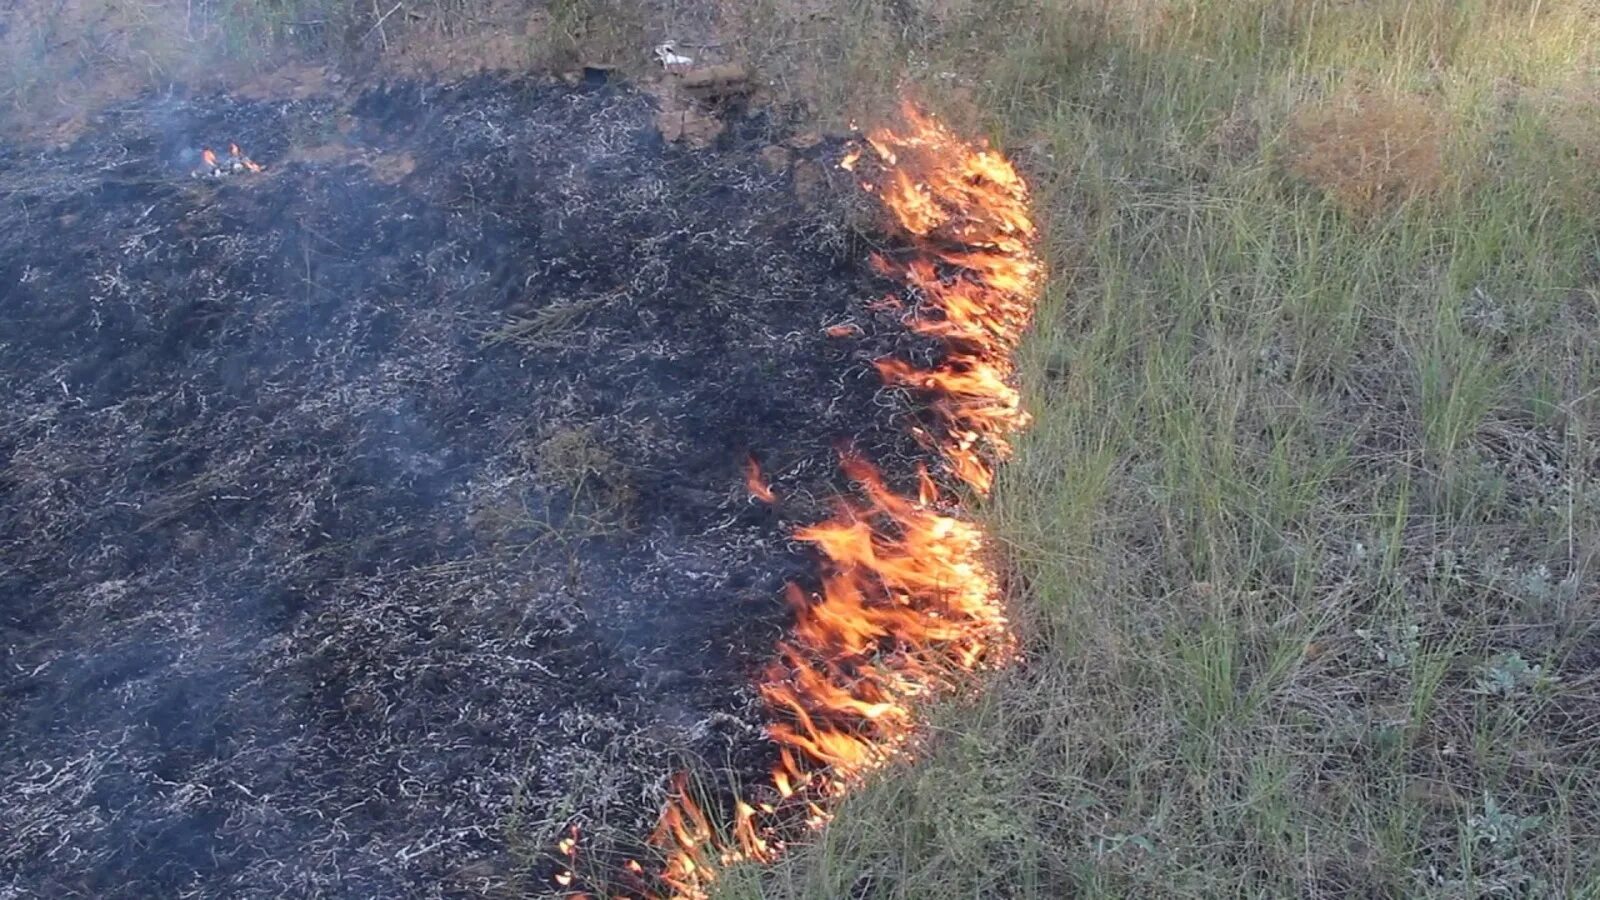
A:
x,y
1509,675
1491,860
1395,648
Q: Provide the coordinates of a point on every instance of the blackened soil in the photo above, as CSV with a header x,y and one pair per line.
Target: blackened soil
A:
x,y
365,521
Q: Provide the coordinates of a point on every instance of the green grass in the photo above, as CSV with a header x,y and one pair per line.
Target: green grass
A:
x,y
1309,491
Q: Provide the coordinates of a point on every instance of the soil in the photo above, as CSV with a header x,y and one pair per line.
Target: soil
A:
x,y
366,521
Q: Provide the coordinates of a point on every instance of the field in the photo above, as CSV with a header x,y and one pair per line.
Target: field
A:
x,y
1302,542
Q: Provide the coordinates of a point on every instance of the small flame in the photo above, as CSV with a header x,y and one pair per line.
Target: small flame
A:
x,y
245,161
756,483
237,161
909,605
568,846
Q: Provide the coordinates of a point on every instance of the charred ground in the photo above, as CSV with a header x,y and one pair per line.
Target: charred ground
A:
x,y
361,516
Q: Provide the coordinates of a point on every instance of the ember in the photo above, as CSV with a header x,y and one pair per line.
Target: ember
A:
x,y
908,605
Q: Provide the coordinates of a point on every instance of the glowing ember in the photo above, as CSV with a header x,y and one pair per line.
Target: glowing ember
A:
x,y
909,605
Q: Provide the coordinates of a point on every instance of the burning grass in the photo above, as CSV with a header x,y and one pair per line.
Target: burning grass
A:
x,y
909,605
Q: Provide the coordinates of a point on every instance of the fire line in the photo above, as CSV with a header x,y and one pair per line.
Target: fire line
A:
x,y
909,605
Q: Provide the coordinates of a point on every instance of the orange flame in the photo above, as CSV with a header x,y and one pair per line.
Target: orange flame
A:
x,y
236,160
974,269
756,483
909,605
238,155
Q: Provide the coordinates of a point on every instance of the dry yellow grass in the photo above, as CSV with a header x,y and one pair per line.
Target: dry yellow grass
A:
x,y
1370,150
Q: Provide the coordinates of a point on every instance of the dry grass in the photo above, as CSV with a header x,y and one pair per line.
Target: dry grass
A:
x,y
1368,151
63,60
598,487
1573,110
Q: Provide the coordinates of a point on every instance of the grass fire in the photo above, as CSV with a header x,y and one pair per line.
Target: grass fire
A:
x,y
908,605
630,450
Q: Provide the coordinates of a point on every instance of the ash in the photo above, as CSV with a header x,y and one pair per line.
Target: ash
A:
x,y
366,521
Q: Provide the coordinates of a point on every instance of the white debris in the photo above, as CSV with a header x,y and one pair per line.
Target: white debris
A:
x,y
669,56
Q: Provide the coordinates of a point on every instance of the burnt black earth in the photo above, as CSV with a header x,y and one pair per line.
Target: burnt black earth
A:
x,y
365,521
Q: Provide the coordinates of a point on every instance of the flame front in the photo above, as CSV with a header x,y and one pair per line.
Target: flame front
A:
x,y
972,265
909,605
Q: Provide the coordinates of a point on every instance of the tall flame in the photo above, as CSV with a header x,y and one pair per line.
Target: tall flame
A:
x,y
909,605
